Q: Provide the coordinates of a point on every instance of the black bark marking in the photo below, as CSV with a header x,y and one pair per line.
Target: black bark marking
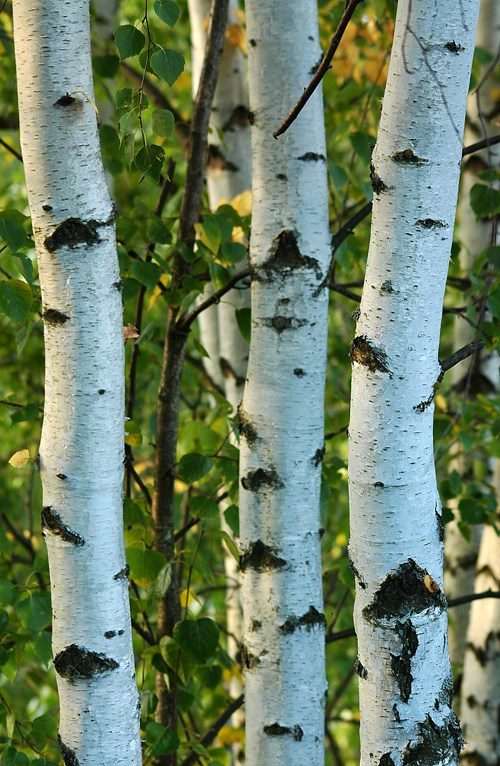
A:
x,y
401,664
281,177
54,318
321,532
441,743
299,372
402,593
248,659
256,625
259,479
430,223
110,634
395,712
47,208
453,47
379,484
77,663
217,161
253,42
386,288
312,157
490,651
308,621
280,323
123,573
286,257
423,406
360,669
276,730
239,117
386,760
261,558
407,157
73,232
378,185
66,100
52,520
319,455
364,352
354,570
69,755
245,426
118,285
356,313
61,476
440,526
471,701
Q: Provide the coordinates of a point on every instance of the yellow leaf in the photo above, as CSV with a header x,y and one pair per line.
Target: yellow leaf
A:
x,y
164,279
440,402
19,459
237,35
188,596
133,434
242,203
240,16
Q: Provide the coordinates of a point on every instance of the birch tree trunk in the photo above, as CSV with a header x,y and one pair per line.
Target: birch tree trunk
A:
x,y
281,417
82,447
396,547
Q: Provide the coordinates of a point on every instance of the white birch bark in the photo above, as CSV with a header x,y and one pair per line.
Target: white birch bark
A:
x,y
81,450
396,545
281,417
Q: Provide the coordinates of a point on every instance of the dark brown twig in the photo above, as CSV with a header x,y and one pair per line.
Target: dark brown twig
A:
x,y
322,69
460,355
184,324
11,150
212,732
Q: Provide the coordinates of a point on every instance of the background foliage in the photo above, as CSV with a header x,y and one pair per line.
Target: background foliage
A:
x,y
143,138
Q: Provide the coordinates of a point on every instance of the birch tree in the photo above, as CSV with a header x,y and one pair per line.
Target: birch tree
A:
x,y
396,546
281,417
81,450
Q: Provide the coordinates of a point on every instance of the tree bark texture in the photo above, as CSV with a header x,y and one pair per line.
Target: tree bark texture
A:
x,y
396,546
281,417
82,445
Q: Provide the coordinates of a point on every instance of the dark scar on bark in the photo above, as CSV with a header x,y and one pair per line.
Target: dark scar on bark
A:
x,y
239,116
66,100
54,318
318,456
248,659
440,526
401,664
52,520
386,287
245,426
378,185
489,651
259,479
261,558
308,621
354,570
74,231
118,285
76,663
123,573
407,157
276,730
280,323
360,669
446,740
312,157
61,476
386,760
299,372
286,257
430,223
453,47
402,593
395,712
69,755
364,352
217,161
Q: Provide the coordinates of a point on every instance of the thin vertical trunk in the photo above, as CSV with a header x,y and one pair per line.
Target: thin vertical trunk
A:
x,y
281,417
81,461
396,548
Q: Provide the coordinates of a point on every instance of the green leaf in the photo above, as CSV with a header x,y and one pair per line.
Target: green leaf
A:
x,y
145,566
167,11
204,507
132,513
24,414
15,299
167,64
158,231
12,233
105,66
162,582
162,122
147,273
471,512
225,407
114,167
447,515
209,677
194,466
361,145
176,659
218,274
161,741
455,483
150,161
4,620
465,530
495,428
338,174
47,725
123,98
209,233
43,647
232,547
200,349
186,253
9,593
484,201
34,612
244,320
232,253
197,638
130,289
13,757
129,41
26,267
133,434
232,516
128,144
